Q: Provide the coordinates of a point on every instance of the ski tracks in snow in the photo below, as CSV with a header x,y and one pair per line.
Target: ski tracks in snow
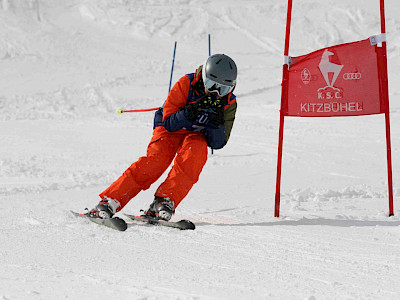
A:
x,y
315,260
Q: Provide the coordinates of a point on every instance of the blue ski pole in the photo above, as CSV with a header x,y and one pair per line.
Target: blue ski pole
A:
x,y
209,44
172,69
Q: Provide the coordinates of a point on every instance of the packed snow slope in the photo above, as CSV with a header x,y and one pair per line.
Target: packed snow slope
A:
x,y
65,69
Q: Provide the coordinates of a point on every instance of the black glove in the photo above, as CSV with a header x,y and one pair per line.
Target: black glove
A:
x,y
210,104
193,110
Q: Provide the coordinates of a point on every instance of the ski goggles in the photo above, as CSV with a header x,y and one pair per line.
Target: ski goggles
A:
x,y
220,89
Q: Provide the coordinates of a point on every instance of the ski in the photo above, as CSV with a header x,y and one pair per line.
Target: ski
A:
x,y
182,224
114,223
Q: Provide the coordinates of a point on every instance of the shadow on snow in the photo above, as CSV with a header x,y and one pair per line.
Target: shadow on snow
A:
x,y
317,221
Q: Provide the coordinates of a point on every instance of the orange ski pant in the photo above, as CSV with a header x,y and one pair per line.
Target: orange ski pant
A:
x,y
190,152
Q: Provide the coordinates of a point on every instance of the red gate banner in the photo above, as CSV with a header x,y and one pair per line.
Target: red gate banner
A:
x,y
342,80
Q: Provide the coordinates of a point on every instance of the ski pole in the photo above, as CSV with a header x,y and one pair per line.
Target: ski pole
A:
x,y
209,44
121,111
172,68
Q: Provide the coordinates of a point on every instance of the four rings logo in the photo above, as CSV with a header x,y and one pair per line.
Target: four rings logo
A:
x,y
352,76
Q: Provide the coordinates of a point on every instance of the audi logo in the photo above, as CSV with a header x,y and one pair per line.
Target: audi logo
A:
x,y
351,76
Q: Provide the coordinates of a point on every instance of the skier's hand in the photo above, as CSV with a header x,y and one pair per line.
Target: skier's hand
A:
x,y
216,109
208,103
193,110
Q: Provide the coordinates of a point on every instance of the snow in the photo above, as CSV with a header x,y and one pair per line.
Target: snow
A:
x,y
65,69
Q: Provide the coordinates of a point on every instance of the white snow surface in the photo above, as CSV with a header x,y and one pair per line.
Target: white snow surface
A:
x,y
65,69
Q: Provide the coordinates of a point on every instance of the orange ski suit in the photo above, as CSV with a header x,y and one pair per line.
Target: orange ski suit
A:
x,y
189,149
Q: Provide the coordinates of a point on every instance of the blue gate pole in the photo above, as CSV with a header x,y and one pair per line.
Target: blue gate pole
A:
x,y
172,68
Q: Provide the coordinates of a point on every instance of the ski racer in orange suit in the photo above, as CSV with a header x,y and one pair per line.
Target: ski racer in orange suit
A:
x,y
198,112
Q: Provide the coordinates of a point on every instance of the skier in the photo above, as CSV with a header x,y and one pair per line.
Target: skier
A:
x,y
199,112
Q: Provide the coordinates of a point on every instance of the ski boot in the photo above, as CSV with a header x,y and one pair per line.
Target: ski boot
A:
x,y
161,209
105,209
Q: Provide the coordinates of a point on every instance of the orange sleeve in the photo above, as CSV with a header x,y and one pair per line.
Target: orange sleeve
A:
x,y
177,97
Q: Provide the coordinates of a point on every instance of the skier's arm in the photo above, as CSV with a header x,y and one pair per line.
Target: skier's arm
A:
x,y
229,117
174,116
217,137
177,121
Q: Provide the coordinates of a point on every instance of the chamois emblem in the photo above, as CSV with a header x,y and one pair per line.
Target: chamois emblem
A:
x,y
326,67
